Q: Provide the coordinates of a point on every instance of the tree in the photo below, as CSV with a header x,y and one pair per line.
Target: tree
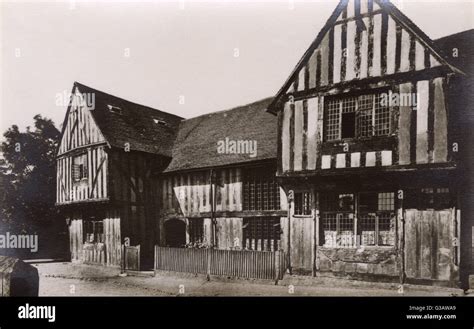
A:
x,y
29,173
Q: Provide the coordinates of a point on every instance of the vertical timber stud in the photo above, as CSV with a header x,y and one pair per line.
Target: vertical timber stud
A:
x,y
290,202
401,249
314,212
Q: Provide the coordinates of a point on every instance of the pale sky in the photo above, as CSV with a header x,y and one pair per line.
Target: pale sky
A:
x,y
176,49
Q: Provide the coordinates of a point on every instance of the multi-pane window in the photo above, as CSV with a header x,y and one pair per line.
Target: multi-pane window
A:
x,y
261,233
79,167
376,219
93,231
428,198
196,230
337,215
356,117
260,190
374,224
303,203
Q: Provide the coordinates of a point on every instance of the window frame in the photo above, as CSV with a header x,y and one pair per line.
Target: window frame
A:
x,y
332,217
260,190
195,226
333,121
97,231
79,168
251,232
308,206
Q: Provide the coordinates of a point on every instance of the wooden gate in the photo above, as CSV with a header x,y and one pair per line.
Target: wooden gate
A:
x,y
430,244
132,258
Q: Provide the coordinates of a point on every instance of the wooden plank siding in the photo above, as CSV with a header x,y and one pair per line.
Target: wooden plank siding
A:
x,y
107,253
429,249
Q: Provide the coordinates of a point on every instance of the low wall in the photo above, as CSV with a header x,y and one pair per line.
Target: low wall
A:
x,y
379,263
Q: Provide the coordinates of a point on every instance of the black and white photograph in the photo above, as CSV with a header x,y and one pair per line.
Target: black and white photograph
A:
x,y
319,149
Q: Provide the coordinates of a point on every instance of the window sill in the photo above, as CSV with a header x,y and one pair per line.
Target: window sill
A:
x,y
302,216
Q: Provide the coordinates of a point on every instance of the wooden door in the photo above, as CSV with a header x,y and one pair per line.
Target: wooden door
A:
x,y
430,248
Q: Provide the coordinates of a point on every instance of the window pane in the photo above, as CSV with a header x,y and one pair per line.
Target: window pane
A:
x,y
346,230
303,203
348,125
367,229
382,117
331,130
364,115
329,224
386,229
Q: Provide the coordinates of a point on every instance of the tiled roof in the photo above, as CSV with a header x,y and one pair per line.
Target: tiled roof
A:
x,y
197,143
144,128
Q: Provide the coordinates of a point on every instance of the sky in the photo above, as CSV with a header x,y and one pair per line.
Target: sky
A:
x,y
187,58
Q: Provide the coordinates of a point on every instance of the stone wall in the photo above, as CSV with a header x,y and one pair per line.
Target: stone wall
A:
x,y
377,263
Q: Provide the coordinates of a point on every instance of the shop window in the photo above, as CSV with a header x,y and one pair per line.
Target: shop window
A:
x,y
373,226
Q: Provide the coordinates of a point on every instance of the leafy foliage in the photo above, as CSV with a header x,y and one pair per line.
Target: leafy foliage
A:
x,y
29,173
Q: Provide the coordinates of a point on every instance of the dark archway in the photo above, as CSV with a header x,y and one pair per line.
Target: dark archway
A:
x,y
175,233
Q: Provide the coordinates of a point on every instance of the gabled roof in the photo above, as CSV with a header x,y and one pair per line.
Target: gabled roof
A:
x,y
197,141
144,128
390,9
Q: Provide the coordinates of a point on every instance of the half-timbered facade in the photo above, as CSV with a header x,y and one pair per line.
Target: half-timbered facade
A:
x,y
110,153
368,143
220,189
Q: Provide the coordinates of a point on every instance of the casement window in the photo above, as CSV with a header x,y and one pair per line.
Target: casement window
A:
x,y
337,219
260,190
359,116
428,198
261,233
371,224
79,167
303,203
93,231
196,230
376,219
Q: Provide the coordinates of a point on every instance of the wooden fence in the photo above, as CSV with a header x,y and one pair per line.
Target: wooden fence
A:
x,y
269,265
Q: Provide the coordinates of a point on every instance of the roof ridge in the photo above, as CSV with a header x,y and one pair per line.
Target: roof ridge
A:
x,y
79,85
229,110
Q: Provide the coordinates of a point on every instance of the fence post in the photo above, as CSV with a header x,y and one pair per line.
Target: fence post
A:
x,y
122,265
276,255
208,275
155,263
